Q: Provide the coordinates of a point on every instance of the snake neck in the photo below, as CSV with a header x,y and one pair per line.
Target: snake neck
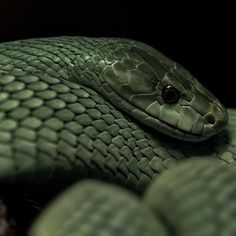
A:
x,y
32,56
92,62
88,61
56,56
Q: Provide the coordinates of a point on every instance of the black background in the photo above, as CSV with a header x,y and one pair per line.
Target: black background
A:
x,y
195,34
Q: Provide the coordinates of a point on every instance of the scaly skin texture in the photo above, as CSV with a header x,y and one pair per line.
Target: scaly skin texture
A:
x,y
108,211
68,132
184,203
73,108
131,75
196,204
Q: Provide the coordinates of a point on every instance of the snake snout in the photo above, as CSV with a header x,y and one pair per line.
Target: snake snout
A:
x,y
215,120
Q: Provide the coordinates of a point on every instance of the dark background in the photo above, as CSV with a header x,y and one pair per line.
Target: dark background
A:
x,y
197,35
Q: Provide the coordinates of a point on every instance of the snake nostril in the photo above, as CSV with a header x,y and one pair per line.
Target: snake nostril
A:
x,y
211,119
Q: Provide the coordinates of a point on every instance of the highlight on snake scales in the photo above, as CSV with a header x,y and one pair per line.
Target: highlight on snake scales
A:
x,y
109,137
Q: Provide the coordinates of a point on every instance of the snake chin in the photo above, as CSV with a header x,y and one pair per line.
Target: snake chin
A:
x,y
208,130
172,131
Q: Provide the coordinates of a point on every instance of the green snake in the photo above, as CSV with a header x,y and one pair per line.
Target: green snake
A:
x,y
116,111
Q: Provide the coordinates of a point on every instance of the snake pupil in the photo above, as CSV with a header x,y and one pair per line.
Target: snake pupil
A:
x,y
170,94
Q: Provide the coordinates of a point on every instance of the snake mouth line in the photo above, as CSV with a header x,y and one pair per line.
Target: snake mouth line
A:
x,y
159,125
171,130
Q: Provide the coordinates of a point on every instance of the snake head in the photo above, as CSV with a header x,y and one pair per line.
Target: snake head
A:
x,y
162,94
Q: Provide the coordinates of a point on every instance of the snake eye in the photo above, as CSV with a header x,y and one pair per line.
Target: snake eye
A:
x,y
170,94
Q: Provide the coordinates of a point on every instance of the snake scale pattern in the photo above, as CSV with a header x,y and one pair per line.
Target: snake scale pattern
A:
x,y
116,111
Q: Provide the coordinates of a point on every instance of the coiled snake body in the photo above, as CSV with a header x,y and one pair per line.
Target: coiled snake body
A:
x,y
118,110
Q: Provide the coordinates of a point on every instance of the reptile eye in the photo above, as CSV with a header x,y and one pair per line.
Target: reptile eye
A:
x,y
170,94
